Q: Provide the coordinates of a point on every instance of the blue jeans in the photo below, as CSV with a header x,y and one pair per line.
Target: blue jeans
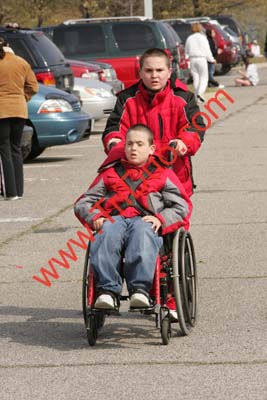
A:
x,y
141,246
211,69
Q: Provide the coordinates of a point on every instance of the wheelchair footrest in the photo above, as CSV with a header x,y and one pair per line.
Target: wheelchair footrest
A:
x,y
147,309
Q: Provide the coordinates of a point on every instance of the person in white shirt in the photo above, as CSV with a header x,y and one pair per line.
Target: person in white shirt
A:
x,y
198,50
250,77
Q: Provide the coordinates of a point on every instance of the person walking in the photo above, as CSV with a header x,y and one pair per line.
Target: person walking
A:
x,y
17,85
198,50
211,65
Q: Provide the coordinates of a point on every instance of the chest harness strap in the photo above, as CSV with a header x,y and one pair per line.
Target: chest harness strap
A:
x,y
133,185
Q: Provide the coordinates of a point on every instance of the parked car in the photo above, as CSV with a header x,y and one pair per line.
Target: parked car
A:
x,y
229,53
117,41
228,57
96,70
181,27
184,71
97,98
46,60
235,40
56,119
233,24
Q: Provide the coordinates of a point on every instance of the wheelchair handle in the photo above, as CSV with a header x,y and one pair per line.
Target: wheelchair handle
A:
x,y
170,158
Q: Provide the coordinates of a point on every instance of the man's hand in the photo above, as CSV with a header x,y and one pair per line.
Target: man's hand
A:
x,y
98,223
156,224
113,142
181,148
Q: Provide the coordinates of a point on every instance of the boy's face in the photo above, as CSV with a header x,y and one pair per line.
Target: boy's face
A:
x,y
137,147
155,73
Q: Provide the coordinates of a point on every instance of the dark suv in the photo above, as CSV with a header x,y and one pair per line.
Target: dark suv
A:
x,y
46,60
117,41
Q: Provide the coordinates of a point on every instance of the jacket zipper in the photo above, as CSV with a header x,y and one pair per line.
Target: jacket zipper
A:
x,y
160,126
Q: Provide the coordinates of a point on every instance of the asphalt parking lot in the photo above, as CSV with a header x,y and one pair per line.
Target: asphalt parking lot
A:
x,y
44,352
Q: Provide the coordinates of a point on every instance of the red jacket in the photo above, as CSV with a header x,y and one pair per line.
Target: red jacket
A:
x,y
168,114
161,194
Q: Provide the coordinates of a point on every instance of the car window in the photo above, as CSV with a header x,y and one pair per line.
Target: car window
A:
x,y
80,40
169,39
20,48
48,50
183,30
133,36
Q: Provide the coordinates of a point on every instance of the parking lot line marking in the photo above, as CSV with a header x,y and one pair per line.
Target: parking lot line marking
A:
x,y
20,219
67,155
43,166
87,145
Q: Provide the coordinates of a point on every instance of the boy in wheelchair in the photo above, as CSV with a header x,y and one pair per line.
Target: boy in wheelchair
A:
x,y
130,205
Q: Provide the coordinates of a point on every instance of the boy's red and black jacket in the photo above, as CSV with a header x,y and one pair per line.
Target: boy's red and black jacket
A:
x,y
160,193
171,114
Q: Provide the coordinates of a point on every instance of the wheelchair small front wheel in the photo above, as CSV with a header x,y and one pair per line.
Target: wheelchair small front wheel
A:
x,y
91,329
165,330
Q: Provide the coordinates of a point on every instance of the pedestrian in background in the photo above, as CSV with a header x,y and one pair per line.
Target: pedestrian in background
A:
x,y
250,77
17,85
211,65
198,50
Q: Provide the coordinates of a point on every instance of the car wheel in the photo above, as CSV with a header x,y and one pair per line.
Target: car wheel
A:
x,y
36,149
225,68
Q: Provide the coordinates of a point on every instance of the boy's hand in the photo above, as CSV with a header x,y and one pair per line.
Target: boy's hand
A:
x,y
180,148
113,142
156,224
98,223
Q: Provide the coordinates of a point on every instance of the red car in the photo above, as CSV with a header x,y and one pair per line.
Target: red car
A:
x,y
228,56
96,70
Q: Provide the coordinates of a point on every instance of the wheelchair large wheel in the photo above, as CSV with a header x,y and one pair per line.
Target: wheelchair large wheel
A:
x,y
184,280
85,283
93,320
188,271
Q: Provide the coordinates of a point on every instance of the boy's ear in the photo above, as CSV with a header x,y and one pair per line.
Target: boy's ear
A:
x,y
152,149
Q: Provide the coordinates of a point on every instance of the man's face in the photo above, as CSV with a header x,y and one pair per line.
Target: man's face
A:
x,y
137,148
155,73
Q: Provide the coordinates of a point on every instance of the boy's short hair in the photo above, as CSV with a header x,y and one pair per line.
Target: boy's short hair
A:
x,y
155,52
143,128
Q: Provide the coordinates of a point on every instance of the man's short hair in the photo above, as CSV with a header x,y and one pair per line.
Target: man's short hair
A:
x,y
155,52
142,128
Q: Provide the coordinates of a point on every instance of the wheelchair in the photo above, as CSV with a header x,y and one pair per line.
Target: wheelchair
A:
x,y
175,274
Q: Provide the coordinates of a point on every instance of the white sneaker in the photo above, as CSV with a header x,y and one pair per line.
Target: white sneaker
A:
x,y
11,198
105,301
221,86
174,316
139,300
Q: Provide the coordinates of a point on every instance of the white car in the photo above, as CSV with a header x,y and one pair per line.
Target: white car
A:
x,y
97,98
